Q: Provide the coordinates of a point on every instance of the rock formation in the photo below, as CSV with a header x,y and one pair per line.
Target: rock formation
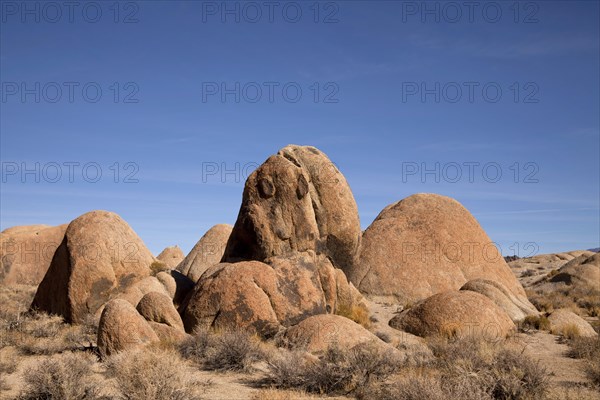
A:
x,y
171,256
460,313
206,253
423,245
297,200
26,252
98,257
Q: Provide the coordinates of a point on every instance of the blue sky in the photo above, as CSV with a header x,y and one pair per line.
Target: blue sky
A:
x,y
367,72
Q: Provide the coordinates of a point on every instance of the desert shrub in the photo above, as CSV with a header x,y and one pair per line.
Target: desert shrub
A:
x,y
15,300
356,313
65,376
588,348
337,371
225,351
153,373
233,351
488,369
515,376
158,266
527,272
537,322
568,331
552,273
287,369
43,334
416,386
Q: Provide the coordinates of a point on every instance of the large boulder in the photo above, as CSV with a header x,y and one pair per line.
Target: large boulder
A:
x,y
532,270
514,306
296,201
582,271
157,307
171,256
423,245
206,253
566,322
317,333
461,313
266,298
121,328
99,256
26,252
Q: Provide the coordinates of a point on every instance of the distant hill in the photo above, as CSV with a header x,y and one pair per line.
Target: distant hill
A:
x,y
596,250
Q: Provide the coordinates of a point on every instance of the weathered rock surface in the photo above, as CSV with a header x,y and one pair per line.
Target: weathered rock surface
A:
x,y
461,313
563,320
99,256
423,245
157,307
206,253
122,327
26,252
515,307
266,298
296,201
171,256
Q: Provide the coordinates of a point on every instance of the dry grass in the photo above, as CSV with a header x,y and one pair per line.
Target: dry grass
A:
x,y
276,394
66,376
584,301
154,373
223,351
356,313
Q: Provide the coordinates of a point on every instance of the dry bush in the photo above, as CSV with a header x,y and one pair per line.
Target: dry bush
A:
x,y
468,368
356,313
584,301
157,267
527,272
588,349
43,334
568,331
516,376
537,322
66,376
287,369
337,371
416,386
15,300
153,373
223,351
